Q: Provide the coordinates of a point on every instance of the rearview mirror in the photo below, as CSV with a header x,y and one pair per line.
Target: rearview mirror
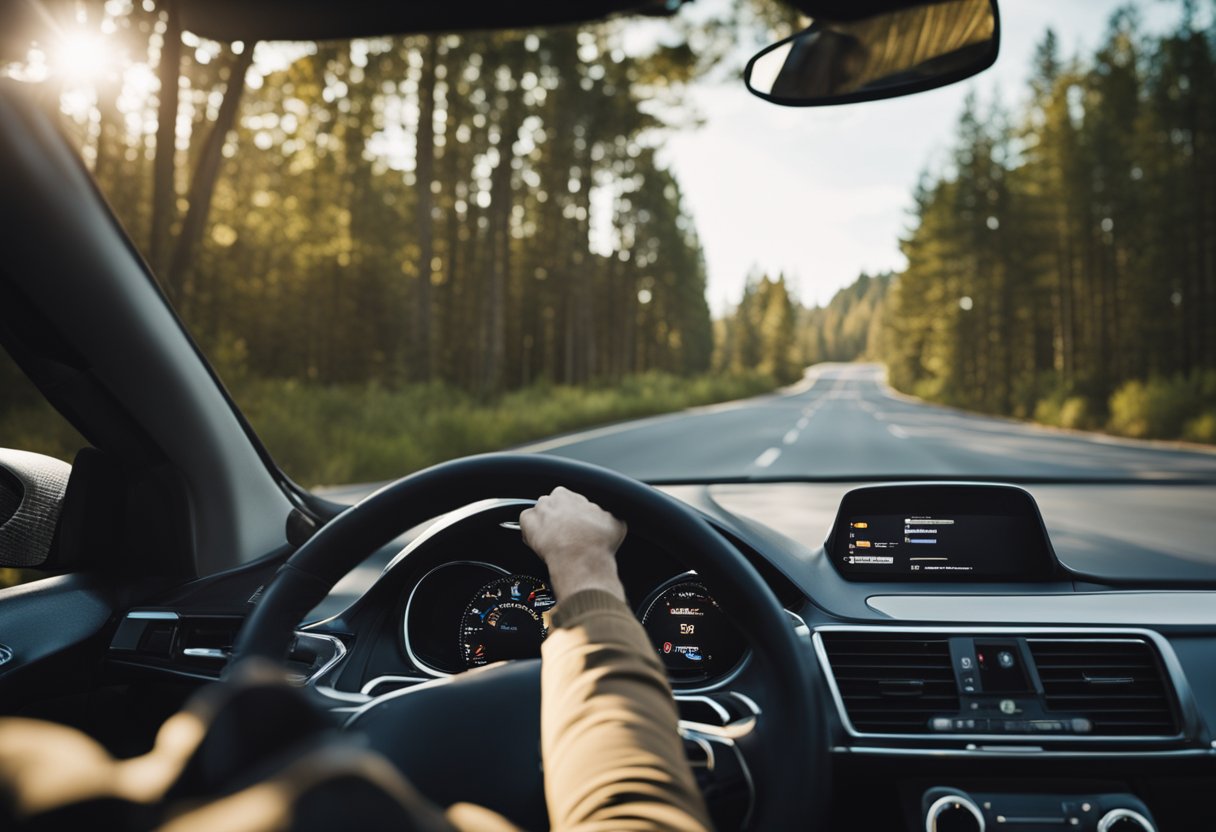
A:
x,y
886,55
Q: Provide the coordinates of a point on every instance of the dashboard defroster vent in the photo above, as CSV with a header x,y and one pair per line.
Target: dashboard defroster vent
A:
x,y
1117,684
892,684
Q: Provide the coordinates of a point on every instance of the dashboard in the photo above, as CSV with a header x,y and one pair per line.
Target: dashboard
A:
x,y
1010,685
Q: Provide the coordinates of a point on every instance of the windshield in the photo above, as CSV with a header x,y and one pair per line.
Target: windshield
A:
x,y
591,241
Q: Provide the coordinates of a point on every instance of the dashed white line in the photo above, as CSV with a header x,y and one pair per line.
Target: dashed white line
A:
x,y
803,422
897,432
767,458
790,437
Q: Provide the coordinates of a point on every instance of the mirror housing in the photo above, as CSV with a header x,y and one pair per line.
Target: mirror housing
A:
x,y
909,50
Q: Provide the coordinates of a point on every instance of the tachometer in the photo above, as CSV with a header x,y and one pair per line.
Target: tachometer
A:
x,y
508,618
690,632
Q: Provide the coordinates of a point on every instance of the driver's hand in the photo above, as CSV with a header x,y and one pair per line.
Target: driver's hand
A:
x,y
577,540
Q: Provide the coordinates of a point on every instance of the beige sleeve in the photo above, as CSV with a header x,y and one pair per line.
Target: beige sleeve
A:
x,y
613,758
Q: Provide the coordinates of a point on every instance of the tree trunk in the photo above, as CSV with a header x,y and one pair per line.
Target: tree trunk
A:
x,y
424,172
202,186
164,191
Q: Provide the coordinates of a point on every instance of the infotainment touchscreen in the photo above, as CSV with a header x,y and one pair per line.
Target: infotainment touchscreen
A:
x,y
940,532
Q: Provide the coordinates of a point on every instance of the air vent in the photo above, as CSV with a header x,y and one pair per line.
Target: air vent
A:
x,y
1118,684
892,684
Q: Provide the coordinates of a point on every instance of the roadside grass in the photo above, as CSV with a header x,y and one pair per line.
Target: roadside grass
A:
x,y
342,434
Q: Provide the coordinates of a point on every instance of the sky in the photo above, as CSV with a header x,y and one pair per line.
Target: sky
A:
x,y
823,193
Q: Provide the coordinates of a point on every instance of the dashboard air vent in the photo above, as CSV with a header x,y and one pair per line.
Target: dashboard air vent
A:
x,y
892,684
1117,684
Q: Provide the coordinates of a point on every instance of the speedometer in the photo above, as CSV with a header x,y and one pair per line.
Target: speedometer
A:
x,y
508,618
691,634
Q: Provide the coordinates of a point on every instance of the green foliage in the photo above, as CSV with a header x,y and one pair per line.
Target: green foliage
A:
x,y
1065,411
852,326
1166,408
1201,429
329,434
27,420
760,336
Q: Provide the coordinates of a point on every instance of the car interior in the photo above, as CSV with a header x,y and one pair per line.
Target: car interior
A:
x,y
858,653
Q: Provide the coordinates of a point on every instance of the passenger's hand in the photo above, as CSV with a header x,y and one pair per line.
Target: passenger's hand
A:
x,y
577,540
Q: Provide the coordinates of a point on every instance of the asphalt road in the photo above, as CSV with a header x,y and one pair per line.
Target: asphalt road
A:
x,y
844,421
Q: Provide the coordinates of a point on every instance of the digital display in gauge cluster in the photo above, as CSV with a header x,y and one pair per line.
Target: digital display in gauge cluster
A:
x,y
508,618
690,633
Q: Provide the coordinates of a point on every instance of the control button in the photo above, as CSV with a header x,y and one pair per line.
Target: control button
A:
x,y
968,680
942,723
966,663
1082,726
1005,659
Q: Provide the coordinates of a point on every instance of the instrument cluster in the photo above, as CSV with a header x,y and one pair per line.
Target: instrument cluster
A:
x,y
469,613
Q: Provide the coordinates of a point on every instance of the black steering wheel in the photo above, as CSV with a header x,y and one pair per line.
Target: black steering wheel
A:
x,y
475,737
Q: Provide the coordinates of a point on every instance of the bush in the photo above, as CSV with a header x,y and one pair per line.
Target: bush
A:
x,y
1065,411
1201,429
1166,408
1075,413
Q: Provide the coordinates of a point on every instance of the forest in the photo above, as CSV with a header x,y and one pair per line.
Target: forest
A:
x,y
1062,266
400,249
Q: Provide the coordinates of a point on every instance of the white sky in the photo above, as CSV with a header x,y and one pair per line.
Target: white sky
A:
x,y
822,193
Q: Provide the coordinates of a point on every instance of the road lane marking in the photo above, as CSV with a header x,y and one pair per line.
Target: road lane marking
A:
x,y
803,422
897,432
791,437
767,458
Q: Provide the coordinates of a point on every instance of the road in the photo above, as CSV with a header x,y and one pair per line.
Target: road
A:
x,y
844,421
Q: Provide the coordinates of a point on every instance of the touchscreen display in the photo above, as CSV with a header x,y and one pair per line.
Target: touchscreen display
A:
x,y
932,545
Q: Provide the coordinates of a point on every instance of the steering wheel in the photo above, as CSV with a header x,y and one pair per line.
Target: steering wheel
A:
x,y
475,737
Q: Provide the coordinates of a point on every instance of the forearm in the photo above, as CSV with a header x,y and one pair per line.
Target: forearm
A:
x,y
612,755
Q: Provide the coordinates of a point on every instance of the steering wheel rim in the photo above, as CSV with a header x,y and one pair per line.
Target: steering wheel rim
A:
x,y
791,780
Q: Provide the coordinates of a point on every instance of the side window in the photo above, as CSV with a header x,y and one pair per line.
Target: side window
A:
x,y
29,423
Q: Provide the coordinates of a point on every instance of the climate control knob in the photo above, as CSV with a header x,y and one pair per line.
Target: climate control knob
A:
x,y
1125,820
954,813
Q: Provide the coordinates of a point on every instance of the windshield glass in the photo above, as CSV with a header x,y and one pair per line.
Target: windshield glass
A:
x,y
400,250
